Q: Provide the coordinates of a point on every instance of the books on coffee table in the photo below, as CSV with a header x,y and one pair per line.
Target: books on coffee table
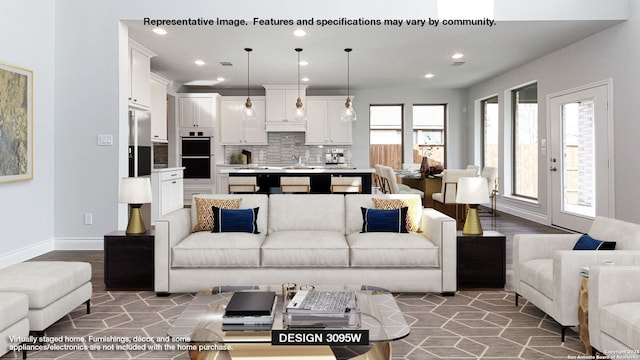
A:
x,y
250,310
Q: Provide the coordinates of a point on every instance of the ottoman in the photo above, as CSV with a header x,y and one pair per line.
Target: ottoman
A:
x,y
54,288
14,320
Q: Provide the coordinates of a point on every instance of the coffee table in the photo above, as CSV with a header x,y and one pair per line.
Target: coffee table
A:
x,y
200,324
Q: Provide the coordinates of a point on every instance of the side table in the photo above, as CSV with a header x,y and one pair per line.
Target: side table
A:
x,y
128,261
481,260
583,311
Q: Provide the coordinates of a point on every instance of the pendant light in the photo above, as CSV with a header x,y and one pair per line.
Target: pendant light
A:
x,y
248,113
300,114
348,113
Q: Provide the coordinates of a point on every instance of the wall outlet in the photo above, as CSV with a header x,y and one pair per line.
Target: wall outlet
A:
x,y
88,219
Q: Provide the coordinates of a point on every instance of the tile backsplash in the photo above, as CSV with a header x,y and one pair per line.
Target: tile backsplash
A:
x,y
282,146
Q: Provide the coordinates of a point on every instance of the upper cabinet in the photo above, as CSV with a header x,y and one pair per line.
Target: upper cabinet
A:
x,y
139,74
158,87
280,107
324,126
197,110
234,130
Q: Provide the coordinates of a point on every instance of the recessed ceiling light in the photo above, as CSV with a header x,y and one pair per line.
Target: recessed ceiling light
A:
x,y
299,33
199,62
220,79
303,63
305,79
160,31
457,56
429,75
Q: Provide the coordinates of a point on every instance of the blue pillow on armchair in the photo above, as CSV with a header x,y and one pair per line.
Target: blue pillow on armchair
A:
x,y
235,220
377,220
586,242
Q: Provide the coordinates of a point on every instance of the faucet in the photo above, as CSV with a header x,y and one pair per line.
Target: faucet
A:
x,y
297,158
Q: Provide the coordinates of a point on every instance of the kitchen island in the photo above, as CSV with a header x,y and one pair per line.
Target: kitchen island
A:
x,y
268,177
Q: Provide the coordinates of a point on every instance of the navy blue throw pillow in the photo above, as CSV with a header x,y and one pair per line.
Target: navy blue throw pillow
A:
x,y
376,220
586,242
235,220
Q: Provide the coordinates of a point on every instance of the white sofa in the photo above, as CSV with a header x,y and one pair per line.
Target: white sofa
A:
x,y
546,271
306,239
614,311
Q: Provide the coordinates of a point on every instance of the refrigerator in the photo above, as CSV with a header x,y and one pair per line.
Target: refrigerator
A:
x,y
140,156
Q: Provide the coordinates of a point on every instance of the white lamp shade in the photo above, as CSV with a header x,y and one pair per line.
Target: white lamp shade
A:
x,y
472,190
135,190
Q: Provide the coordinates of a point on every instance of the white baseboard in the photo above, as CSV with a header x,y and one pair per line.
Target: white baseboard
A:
x,y
79,243
528,215
26,253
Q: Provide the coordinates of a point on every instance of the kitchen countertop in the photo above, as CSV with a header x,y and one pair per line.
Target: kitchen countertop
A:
x,y
260,169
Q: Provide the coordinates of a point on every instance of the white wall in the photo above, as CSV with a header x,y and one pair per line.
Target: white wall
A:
x,y
26,207
613,53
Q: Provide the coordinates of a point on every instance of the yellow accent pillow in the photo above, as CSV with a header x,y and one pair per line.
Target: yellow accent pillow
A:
x,y
205,215
414,212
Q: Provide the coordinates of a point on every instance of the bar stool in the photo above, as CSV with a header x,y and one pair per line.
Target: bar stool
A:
x,y
346,184
243,184
295,184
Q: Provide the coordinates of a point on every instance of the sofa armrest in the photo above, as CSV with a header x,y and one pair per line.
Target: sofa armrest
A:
x,y
440,229
610,285
566,272
170,230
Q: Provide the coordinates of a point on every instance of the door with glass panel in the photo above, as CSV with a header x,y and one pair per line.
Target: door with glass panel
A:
x,y
579,161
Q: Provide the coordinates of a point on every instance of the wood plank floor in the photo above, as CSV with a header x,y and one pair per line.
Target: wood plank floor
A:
x,y
504,223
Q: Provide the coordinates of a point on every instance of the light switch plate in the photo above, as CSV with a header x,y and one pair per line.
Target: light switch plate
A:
x,y
105,140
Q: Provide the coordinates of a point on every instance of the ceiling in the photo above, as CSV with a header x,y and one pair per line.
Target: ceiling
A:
x,y
382,57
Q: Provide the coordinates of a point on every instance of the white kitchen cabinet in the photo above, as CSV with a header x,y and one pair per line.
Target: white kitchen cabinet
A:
x,y
280,107
197,110
234,130
139,74
158,87
324,126
167,187
222,183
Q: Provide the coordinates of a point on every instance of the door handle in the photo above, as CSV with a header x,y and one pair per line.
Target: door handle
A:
x,y
553,168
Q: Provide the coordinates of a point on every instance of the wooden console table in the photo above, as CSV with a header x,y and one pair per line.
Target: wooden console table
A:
x,y
428,185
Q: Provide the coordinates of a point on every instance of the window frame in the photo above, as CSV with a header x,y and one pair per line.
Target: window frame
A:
x,y
444,127
514,144
483,121
402,126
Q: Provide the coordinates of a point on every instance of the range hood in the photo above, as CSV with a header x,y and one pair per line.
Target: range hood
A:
x,y
285,126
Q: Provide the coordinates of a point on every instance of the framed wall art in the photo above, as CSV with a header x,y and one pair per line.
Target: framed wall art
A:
x,y
16,123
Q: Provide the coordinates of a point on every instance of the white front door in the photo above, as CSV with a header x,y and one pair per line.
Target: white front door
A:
x,y
579,163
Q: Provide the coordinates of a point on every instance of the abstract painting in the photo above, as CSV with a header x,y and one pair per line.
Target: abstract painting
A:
x,y
16,123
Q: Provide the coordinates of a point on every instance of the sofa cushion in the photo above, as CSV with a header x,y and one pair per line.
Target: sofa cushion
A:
x,y
15,307
625,234
354,203
293,212
247,201
44,282
414,212
539,274
586,242
375,220
205,220
305,248
622,322
235,220
205,249
392,250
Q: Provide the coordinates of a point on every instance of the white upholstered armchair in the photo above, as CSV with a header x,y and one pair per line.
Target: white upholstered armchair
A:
x,y
546,269
614,311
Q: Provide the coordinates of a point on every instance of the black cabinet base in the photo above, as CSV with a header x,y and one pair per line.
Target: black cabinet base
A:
x,y
128,261
481,260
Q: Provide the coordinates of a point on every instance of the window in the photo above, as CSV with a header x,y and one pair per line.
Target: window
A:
x,y
525,141
385,135
489,118
429,132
